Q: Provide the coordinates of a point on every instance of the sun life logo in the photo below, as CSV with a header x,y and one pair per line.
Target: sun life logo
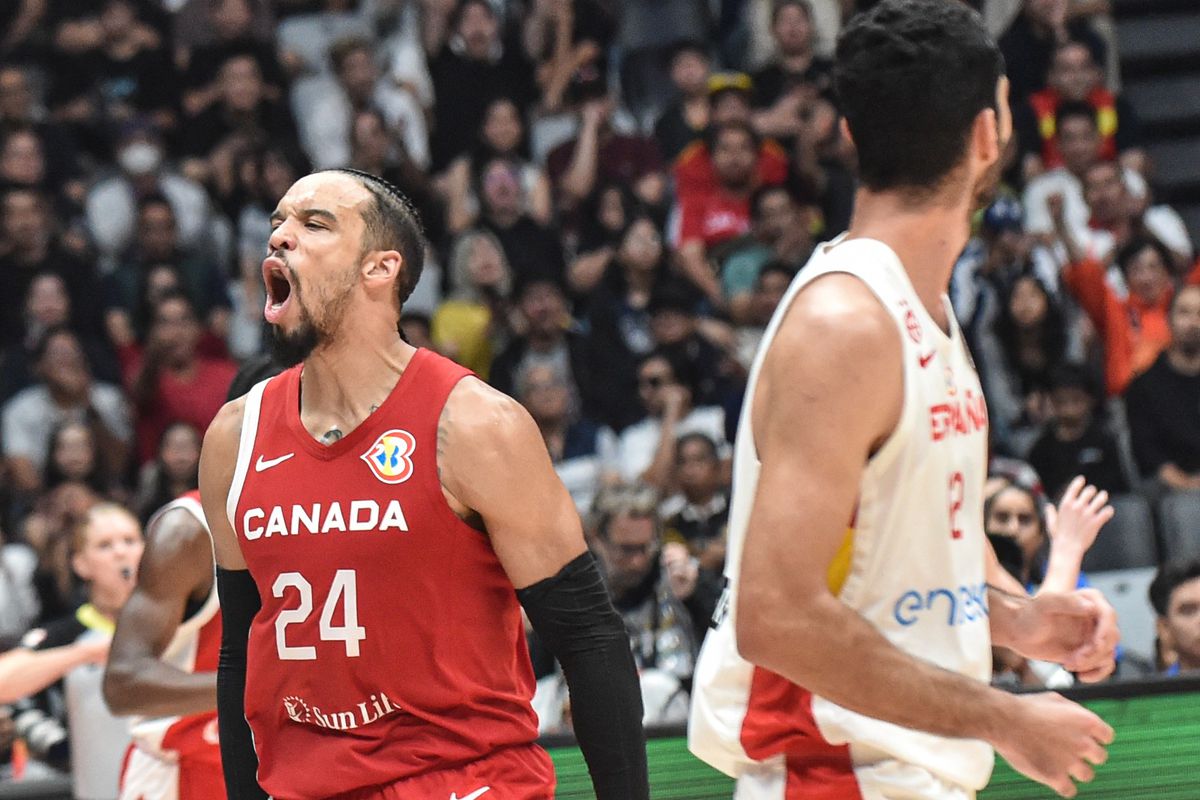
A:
x,y
390,456
297,709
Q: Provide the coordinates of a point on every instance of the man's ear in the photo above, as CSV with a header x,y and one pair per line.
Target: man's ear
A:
x,y
384,265
985,137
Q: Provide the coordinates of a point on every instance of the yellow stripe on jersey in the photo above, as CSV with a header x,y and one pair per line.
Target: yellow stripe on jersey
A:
x,y
839,568
91,618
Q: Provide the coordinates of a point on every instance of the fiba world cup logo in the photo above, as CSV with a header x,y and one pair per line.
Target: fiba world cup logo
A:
x,y
390,456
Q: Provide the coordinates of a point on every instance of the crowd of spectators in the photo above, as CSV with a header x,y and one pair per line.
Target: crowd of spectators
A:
x,y
616,194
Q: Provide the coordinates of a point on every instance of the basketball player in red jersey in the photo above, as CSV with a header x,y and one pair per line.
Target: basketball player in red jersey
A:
x,y
854,663
377,514
162,668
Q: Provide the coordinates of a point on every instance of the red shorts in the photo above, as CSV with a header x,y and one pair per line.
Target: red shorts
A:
x,y
515,773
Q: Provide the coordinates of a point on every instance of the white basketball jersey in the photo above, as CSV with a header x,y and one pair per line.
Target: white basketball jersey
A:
x,y
913,563
193,648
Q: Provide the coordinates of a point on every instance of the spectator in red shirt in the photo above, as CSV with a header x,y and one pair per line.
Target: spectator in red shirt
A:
x,y
1076,77
168,380
729,97
712,218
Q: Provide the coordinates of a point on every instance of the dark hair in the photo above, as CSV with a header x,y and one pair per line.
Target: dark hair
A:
x,y
1133,248
1070,375
1169,578
1066,44
778,6
911,77
683,371
252,372
757,196
18,129
593,235
39,196
673,295
696,436
482,152
97,479
460,11
161,491
1075,109
715,132
154,199
176,295
1051,334
345,47
781,267
43,344
392,223
688,46
1180,292
1014,560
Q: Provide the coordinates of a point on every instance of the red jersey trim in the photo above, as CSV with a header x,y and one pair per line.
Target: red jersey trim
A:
x,y
779,721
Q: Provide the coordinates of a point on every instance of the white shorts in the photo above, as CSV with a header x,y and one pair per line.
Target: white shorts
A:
x,y
884,780
149,778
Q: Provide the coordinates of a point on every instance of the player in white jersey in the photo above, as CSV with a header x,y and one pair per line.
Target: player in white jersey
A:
x,y
853,656
162,665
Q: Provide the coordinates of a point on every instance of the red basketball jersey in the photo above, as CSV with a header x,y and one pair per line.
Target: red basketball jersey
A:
x,y
390,641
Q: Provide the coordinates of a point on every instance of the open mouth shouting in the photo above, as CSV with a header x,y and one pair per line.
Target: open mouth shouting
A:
x,y
278,283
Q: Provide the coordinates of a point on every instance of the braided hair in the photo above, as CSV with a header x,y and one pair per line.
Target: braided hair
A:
x,y
392,223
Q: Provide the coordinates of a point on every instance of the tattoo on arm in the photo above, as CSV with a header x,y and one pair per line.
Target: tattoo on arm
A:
x,y
443,438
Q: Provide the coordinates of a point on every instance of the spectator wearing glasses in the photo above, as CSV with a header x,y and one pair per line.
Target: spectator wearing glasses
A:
x,y
666,388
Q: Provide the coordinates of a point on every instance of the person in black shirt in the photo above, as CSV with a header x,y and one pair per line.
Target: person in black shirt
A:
x,y
1028,46
531,249
785,90
32,249
1076,442
473,68
685,120
1163,403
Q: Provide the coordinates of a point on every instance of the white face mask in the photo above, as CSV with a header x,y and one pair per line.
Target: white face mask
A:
x,y
140,158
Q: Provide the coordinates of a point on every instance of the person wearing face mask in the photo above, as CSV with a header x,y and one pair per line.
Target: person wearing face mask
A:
x,y
105,551
111,205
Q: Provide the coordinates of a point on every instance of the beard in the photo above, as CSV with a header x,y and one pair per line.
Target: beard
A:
x,y
289,349
988,185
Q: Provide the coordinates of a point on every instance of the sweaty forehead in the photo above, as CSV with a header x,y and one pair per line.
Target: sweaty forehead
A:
x,y
332,191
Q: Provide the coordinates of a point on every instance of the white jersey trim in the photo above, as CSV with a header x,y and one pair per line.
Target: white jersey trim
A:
x,y
245,449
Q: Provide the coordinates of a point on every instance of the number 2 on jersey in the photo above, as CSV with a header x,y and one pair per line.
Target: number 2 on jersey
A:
x,y
957,486
344,588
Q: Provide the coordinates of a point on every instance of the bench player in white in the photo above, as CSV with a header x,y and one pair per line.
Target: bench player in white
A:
x,y
854,651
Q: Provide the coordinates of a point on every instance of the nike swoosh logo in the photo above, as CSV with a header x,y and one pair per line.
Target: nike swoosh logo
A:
x,y
925,359
261,465
472,795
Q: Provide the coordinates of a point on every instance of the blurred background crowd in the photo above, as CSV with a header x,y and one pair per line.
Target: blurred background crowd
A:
x,y
616,195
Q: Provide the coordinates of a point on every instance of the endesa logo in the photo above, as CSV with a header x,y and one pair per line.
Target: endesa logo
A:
x,y
952,605
958,417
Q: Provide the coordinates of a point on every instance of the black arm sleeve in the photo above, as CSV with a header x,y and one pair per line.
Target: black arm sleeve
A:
x,y
239,603
574,616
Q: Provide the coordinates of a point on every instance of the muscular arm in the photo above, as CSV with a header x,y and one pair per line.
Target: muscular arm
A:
x,y
239,604
176,566
492,462
836,365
